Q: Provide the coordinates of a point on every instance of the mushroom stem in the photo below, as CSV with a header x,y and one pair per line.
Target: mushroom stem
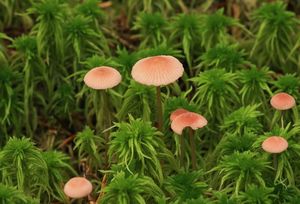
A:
x,y
181,141
275,162
193,149
159,109
106,122
90,199
98,110
281,119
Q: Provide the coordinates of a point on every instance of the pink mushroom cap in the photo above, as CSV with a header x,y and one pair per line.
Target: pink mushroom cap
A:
x,y
157,70
102,78
282,101
176,113
188,119
275,144
78,187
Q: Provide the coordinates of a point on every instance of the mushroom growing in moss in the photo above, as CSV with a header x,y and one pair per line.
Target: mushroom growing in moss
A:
x,y
281,102
78,187
180,119
157,71
101,79
275,144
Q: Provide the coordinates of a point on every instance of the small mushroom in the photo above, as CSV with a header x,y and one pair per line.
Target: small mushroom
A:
x,y
275,144
102,78
282,101
157,71
188,119
78,187
181,119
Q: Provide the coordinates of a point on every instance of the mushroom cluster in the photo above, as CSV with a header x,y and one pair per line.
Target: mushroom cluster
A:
x,y
151,71
278,144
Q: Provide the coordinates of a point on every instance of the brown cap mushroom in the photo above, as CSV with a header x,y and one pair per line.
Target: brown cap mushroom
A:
x,y
78,187
103,77
282,101
275,144
188,119
157,70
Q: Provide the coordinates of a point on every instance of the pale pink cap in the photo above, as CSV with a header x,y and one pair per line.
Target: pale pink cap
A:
x,y
157,70
275,144
176,113
282,101
188,119
102,78
78,187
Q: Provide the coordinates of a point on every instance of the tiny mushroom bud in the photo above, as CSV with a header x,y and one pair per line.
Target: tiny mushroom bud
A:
x,y
275,144
176,113
282,101
188,119
78,187
103,77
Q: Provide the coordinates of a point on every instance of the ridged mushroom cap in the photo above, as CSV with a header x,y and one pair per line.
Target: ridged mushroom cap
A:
x,y
78,187
157,70
103,77
275,144
189,119
282,101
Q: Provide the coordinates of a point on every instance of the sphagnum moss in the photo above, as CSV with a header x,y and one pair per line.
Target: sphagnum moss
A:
x,y
52,125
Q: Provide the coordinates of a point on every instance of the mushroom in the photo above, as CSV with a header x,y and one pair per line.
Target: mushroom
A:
x,y
78,187
157,71
281,102
275,145
188,119
101,79
181,119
